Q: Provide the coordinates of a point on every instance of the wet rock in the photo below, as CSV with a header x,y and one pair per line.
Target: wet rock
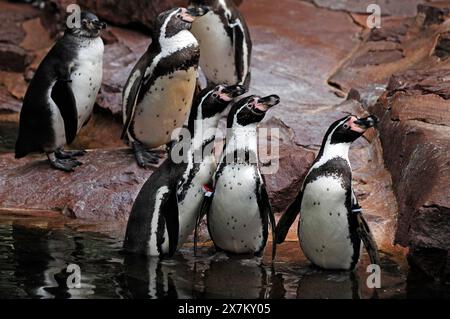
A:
x,y
104,188
119,58
415,134
394,8
123,13
401,44
283,186
7,102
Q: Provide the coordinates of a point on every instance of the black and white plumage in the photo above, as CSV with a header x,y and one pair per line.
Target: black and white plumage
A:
x,y
239,211
225,42
159,91
62,93
165,211
331,224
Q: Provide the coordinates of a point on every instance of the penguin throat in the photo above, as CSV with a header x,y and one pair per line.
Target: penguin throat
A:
x,y
242,138
330,151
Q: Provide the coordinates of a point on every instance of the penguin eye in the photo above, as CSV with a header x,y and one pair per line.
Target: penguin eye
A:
x,y
179,15
215,95
346,126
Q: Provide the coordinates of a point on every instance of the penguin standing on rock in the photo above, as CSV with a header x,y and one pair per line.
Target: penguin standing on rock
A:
x,y
331,224
225,42
159,91
239,211
62,93
165,211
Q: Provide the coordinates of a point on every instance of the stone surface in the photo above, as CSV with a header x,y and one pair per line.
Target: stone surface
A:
x,y
401,44
131,13
387,7
415,134
103,188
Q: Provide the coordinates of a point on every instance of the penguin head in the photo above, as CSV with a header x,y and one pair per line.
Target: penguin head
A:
x,y
349,128
200,7
90,26
251,109
215,101
172,21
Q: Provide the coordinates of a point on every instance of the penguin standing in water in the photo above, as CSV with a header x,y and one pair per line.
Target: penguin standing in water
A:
x,y
62,93
159,91
331,224
225,42
239,211
165,211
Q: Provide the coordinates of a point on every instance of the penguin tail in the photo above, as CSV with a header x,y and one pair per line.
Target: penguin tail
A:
x,y
21,150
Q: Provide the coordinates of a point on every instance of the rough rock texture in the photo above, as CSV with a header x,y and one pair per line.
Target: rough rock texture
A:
x,y
415,134
104,188
401,44
394,8
135,13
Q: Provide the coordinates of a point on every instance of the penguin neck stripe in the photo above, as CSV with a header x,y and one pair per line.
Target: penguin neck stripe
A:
x,y
329,150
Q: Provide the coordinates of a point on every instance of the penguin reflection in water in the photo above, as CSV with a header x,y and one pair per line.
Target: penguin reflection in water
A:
x,y
159,91
62,93
224,40
165,211
331,224
239,211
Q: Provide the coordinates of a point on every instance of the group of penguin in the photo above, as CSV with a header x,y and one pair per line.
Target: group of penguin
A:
x,y
162,94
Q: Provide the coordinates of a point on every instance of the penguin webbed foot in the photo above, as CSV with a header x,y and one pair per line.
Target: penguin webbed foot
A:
x,y
145,158
62,154
66,165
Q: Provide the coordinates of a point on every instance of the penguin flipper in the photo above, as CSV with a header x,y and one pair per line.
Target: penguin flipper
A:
x,y
238,43
204,210
268,210
133,88
64,98
288,218
169,208
367,237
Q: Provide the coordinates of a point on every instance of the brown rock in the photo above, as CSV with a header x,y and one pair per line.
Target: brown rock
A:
x,y
8,102
13,58
394,8
122,13
103,188
415,134
400,45
283,186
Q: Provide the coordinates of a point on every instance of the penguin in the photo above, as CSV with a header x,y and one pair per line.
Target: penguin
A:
x,y
331,224
225,42
237,208
62,93
158,94
165,210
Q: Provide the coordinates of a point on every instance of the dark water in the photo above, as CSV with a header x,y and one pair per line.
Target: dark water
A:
x,y
33,264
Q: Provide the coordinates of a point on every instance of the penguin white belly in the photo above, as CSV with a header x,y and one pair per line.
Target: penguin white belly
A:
x,y
189,206
164,107
323,227
216,50
234,218
87,78
57,126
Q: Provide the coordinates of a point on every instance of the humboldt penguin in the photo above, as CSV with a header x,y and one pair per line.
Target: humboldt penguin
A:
x,y
62,93
237,207
225,42
158,94
165,211
331,224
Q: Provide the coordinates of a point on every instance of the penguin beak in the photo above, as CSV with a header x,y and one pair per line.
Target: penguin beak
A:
x,y
198,11
230,92
366,122
186,16
99,25
263,104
